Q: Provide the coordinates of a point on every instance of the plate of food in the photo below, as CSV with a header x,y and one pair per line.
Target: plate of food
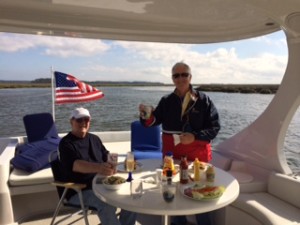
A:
x,y
122,167
113,182
203,192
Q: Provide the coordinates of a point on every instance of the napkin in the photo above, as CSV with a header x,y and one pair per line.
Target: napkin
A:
x,y
176,139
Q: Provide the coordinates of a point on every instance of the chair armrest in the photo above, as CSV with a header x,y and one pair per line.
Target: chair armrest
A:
x,y
74,186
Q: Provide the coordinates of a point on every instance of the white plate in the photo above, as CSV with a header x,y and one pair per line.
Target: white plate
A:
x,y
186,189
121,167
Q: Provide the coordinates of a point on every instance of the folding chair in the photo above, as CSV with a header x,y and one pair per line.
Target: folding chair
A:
x,y
146,142
62,188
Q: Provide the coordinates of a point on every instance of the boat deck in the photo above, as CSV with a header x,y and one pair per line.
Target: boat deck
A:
x,y
142,219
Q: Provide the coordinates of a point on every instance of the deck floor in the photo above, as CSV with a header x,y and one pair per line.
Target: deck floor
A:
x,y
142,219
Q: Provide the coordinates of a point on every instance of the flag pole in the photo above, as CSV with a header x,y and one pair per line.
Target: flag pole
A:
x,y
53,97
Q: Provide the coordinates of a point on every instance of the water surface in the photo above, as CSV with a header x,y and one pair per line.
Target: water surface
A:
x,y
119,108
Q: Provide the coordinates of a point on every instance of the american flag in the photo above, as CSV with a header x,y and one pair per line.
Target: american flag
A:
x,y
70,90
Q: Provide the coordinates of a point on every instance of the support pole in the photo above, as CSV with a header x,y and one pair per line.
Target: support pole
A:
x,y
53,93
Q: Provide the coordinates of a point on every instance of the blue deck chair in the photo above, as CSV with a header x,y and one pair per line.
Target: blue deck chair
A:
x,y
146,142
42,138
40,126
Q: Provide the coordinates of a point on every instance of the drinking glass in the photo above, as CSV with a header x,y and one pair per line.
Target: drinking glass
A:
x,y
113,160
158,176
129,165
146,114
136,188
168,192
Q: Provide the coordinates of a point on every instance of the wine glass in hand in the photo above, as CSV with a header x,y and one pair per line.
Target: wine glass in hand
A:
x,y
129,165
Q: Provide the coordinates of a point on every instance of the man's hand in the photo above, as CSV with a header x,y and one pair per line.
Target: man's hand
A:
x,y
145,111
107,169
186,138
82,166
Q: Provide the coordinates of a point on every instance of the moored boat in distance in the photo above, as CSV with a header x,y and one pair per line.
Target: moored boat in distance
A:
x,y
254,155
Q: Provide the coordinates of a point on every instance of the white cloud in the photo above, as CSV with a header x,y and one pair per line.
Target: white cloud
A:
x,y
219,66
54,46
65,47
14,43
138,61
278,42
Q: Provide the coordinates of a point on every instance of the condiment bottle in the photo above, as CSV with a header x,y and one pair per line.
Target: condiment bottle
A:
x,y
210,174
169,177
184,174
196,170
169,189
168,163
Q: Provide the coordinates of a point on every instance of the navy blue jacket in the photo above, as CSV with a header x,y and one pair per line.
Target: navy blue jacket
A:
x,y
201,117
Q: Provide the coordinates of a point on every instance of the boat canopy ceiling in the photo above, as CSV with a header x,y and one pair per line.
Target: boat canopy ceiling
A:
x,y
178,21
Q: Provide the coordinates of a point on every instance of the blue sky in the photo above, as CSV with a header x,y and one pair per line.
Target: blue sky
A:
x,y
256,61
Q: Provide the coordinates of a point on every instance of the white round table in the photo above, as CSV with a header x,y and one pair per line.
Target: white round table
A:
x,y
152,201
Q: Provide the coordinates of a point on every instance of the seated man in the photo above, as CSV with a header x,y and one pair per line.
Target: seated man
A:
x,y
83,155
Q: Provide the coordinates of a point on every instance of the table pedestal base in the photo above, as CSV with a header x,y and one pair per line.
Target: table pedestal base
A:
x,y
166,220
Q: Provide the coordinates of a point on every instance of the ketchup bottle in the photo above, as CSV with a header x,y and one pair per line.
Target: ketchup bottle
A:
x,y
184,174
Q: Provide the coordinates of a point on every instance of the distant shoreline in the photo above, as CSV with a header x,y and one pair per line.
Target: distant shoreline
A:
x,y
240,88
228,88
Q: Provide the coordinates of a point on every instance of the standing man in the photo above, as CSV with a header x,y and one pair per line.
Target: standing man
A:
x,y
189,120
82,155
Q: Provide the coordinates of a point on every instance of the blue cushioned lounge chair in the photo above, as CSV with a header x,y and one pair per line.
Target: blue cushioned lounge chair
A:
x,y
40,126
146,142
42,139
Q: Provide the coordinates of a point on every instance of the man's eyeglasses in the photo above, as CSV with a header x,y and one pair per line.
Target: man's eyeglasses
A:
x,y
84,119
177,75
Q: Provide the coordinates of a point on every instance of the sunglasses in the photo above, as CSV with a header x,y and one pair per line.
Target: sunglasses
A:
x,y
177,75
84,119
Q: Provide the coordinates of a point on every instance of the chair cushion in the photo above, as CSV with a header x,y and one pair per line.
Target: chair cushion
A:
x,y
39,126
285,187
147,155
268,209
146,148
33,156
20,177
146,142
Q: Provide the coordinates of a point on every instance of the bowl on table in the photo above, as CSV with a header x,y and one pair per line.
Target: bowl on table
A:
x,y
113,182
